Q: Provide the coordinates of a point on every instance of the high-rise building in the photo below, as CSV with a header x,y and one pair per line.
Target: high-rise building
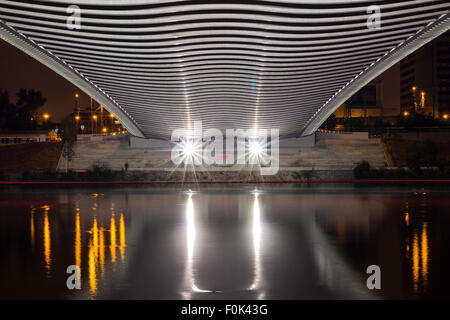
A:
x,y
379,98
425,79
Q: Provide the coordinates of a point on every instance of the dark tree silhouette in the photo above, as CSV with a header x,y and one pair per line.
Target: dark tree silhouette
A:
x,y
68,136
6,109
28,101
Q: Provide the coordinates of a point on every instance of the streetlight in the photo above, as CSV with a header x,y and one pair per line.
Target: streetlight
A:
x,y
95,118
77,118
422,99
414,89
46,116
77,103
112,121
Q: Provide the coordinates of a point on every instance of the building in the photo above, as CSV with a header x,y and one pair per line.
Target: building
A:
x,y
379,98
23,137
425,79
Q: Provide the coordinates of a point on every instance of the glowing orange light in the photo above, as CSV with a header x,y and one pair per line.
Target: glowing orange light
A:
x,y
414,88
111,115
94,117
445,116
113,242
77,95
406,113
77,118
46,116
105,130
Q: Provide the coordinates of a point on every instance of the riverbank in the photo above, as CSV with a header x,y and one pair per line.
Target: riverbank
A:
x,y
38,157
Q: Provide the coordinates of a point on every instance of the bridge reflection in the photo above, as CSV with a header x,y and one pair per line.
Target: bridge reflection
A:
x,y
248,245
256,231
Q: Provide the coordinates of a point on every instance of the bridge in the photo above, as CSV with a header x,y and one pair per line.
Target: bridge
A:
x,y
161,65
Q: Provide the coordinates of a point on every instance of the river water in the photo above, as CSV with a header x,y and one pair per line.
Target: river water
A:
x,y
224,242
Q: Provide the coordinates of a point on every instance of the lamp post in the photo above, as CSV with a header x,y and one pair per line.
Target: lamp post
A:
x,y
77,118
92,122
77,104
95,118
414,90
112,121
46,117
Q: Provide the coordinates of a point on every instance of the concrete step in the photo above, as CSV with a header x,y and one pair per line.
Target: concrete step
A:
x,y
332,153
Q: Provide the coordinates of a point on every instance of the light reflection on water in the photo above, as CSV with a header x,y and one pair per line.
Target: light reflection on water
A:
x,y
142,243
420,257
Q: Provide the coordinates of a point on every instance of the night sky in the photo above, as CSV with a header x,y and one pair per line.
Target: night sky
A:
x,y
18,70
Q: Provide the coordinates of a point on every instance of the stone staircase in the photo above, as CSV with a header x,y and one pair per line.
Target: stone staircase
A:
x,y
114,152
332,154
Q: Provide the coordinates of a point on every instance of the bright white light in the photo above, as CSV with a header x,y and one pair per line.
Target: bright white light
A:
x,y
257,151
188,149
256,148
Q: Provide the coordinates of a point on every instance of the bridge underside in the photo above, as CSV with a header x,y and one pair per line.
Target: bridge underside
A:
x,y
161,65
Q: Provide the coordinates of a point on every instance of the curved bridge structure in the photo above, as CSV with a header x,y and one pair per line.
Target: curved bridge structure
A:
x,y
161,65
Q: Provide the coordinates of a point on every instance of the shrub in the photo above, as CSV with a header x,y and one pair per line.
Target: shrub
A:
x,y
308,175
304,175
363,170
27,176
101,172
421,154
70,175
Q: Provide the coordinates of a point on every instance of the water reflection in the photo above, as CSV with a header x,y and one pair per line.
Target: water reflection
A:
x,y
47,241
95,241
190,246
246,244
32,231
92,269
78,242
122,237
257,233
420,258
113,243
191,238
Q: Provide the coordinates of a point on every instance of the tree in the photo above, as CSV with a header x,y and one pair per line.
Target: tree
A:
x,y
19,116
6,109
68,136
28,101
